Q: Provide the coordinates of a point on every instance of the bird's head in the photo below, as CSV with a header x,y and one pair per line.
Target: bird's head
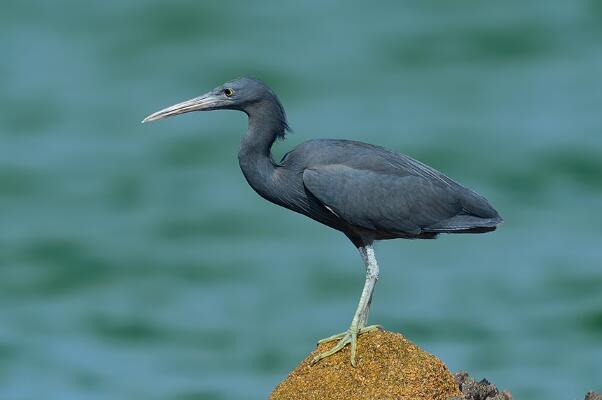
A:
x,y
244,94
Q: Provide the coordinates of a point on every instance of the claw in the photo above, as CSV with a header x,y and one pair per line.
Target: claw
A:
x,y
345,338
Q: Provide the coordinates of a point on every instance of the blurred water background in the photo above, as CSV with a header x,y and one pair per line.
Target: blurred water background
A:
x,y
136,263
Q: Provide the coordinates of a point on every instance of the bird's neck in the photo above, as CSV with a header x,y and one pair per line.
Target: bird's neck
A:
x,y
257,142
255,155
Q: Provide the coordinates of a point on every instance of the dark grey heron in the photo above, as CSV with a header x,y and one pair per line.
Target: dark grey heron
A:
x,y
367,192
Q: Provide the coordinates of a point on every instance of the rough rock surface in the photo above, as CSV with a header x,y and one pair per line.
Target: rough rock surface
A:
x,y
388,367
485,390
481,390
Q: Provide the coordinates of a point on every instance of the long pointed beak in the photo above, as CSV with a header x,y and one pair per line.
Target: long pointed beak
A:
x,y
205,102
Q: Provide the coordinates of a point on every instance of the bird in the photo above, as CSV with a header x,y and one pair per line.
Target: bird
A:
x,y
365,191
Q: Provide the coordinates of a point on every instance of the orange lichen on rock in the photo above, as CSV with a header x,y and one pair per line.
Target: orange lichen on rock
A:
x,y
388,367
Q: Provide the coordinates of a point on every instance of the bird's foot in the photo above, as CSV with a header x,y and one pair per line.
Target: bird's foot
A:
x,y
345,338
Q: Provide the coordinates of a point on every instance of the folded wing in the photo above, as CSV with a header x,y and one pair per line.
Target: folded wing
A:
x,y
407,203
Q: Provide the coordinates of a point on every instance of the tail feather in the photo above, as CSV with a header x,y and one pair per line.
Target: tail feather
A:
x,y
464,223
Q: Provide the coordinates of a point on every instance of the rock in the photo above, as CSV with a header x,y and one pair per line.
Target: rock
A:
x,y
482,390
388,367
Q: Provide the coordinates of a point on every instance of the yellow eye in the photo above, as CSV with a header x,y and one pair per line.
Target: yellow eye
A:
x,y
228,92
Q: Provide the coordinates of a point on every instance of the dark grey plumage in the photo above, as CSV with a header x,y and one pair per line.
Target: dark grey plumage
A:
x,y
365,191
370,193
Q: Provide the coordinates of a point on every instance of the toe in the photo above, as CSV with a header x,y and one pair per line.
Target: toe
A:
x,y
353,348
342,343
370,328
332,338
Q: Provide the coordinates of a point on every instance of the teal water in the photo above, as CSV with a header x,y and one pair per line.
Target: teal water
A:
x,y
135,262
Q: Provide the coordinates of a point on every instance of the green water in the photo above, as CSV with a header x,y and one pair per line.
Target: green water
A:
x,y
136,263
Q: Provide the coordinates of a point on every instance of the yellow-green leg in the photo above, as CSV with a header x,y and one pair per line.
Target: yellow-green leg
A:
x,y
358,324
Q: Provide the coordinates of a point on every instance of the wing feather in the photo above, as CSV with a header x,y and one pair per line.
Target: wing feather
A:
x,y
379,201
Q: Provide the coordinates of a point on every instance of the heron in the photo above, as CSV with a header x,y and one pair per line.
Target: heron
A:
x,y
365,191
